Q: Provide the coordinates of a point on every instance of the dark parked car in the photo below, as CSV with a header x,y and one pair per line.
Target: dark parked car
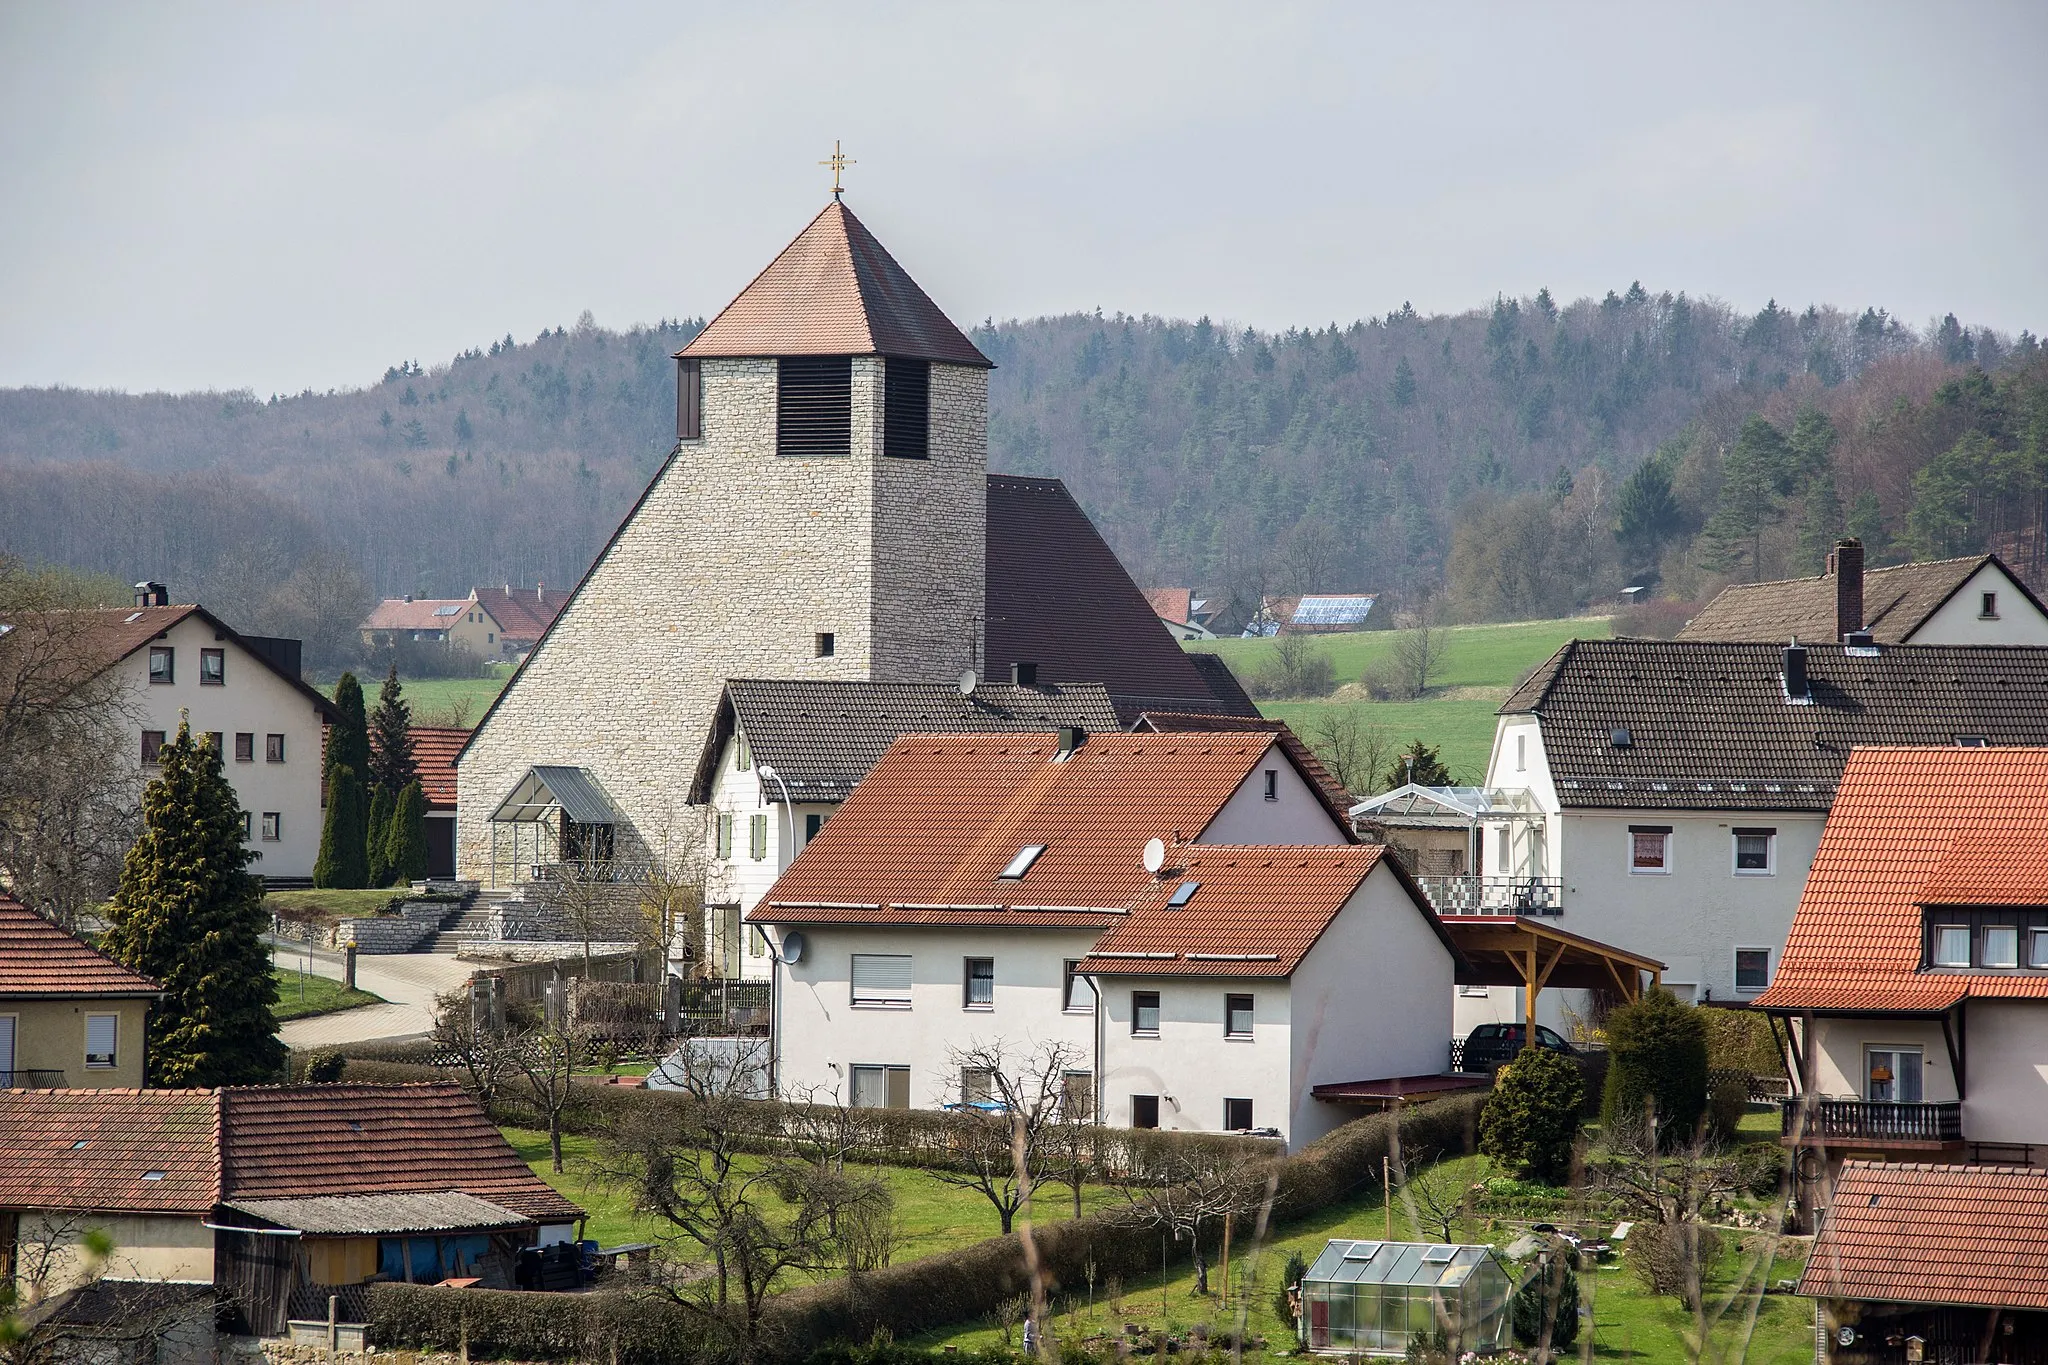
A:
x,y
1491,1045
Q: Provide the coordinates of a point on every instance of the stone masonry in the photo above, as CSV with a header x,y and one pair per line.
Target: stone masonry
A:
x,y
732,563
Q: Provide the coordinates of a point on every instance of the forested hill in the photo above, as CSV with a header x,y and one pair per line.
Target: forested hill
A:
x,y
1506,454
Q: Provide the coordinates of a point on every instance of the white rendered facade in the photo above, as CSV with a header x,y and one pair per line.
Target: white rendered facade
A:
x,y
1970,617
2003,1043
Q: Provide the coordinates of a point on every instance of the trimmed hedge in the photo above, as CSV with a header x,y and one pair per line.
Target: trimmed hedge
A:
x,y
633,1329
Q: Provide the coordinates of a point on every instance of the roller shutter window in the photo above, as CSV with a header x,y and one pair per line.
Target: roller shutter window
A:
x,y
814,407
906,409
6,1050
881,979
101,1033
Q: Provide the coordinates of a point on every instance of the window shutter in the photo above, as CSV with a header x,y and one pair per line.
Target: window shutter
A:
x,y
7,1047
881,978
725,834
814,406
689,400
906,408
100,1031
757,837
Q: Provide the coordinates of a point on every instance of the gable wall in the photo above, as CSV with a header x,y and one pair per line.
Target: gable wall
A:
x,y
1294,816
1957,621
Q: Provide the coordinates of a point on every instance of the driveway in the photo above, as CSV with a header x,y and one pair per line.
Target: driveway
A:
x,y
408,982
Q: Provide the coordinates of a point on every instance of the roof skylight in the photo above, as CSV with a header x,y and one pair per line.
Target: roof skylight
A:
x,y
1439,1253
1021,864
452,609
1362,1251
152,1175
1182,894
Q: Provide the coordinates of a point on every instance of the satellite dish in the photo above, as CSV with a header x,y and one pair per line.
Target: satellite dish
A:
x,y
793,945
1155,855
967,683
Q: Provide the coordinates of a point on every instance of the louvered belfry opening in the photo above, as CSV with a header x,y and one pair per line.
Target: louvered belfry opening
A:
x,y
814,406
906,408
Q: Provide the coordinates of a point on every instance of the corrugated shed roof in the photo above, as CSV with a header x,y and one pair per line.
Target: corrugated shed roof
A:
x,y
124,1151
434,748
419,613
363,1214
1896,602
319,1140
522,613
941,815
835,290
1709,727
1912,826
1059,597
1897,1232
822,736
39,959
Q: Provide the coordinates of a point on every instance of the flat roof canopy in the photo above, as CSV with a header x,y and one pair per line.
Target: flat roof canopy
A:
x,y
1451,807
573,791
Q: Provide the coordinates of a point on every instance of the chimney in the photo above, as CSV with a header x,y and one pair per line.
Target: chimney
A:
x,y
408,597
1796,688
540,590
152,594
1024,674
1848,565
1072,737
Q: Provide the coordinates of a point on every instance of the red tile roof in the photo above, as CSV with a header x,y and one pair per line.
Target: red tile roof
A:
x,y
39,959
835,290
1973,1236
1171,722
1172,604
940,816
1915,826
295,1141
417,613
434,748
95,1149
522,613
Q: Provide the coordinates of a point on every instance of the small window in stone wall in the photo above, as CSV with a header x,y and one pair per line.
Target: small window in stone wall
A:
x,y
906,409
814,406
689,400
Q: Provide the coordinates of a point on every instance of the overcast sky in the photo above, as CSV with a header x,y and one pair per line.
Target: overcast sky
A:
x,y
277,197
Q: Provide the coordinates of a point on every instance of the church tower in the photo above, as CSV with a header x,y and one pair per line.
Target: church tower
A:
x,y
823,515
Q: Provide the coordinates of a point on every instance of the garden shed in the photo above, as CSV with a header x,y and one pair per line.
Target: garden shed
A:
x,y
1373,1298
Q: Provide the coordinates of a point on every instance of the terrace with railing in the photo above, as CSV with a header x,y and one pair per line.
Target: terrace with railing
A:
x,y
1822,1121
1451,895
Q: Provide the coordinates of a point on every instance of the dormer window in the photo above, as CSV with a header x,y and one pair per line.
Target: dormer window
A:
x,y
1951,945
2000,946
1019,865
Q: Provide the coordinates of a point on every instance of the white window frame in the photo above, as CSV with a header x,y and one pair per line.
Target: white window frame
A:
x,y
1895,1050
885,995
1073,980
1969,945
1735,838
886,1069
169,655
967,978
1158,1014
111,1058
2037,946
1251,1008
1735,960
1669,841
1984,932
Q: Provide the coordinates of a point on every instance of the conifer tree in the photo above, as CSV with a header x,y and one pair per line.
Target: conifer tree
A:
x,y
343,863
346,846
190,914
380,823
405,850
391,761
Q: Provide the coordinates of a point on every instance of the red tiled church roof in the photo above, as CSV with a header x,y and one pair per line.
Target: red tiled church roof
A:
x,y
39,959
1962,1235
1913,827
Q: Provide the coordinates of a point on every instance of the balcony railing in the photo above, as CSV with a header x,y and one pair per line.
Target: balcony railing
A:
x,y
31,1078
1870,1120
1505,896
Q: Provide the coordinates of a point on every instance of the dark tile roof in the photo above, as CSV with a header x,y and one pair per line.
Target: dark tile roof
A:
x,y
1709,727
1899,1232
95,1149
1896,602
1913,827
835,290
39,959
1223,684
522,613
1059,597
292,1142
925,835
822,737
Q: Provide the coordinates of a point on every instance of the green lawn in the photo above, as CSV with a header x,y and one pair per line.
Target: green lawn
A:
x,y
1481,665
301,995
328,904
1628,1322
437,701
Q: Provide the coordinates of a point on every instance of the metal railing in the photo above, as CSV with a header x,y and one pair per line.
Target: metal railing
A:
x,y
723,1008
31,1078
1871,1120
591,870
1504,896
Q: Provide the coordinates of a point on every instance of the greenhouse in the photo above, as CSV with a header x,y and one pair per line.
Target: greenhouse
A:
x,y
1376,1297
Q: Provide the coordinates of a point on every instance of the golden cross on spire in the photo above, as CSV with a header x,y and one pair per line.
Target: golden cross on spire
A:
x,y
838,161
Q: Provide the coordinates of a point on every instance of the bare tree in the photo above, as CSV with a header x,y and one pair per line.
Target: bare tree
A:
x,y
60,1307
596,901
1419,648
1006,1148
1189,1197
1354,752
545,1060
672,893
484,1042
1434,1199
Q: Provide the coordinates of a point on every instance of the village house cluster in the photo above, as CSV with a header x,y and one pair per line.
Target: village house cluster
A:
x,y
954,800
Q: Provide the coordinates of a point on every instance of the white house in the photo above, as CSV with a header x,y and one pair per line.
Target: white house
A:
x,y
1669,795
1914,982
1971,601
183,662
782,755
993,890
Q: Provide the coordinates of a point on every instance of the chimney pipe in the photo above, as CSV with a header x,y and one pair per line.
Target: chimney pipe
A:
x,y
1796,687
1024,674
152,594
1848,562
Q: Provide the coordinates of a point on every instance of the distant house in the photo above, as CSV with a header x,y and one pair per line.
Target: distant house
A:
x,y
434,749
1175,609
1934,1263
992,889
523,614
1670,794
1914,982
457,621
184,663
70,1016
275,1196
1974,601
783,755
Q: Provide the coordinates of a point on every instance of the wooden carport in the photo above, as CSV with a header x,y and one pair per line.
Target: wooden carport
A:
x,y
1522,950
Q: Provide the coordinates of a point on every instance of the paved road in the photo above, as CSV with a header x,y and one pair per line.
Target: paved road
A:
x,y
408,982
